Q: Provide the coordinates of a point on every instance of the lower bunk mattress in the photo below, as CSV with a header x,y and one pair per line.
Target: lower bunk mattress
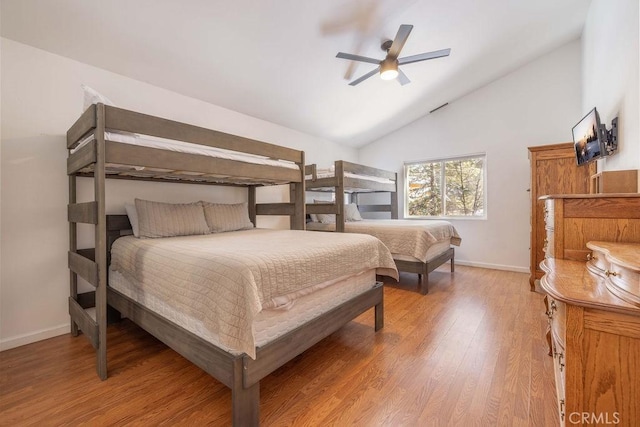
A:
x,y
225,286
409,240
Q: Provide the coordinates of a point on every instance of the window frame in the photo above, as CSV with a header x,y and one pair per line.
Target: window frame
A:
x,y
443,160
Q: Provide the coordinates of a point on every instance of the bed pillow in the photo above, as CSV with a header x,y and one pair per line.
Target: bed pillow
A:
x,y
156,219
133,218
314,217
327,218
227,217
351,212
91,96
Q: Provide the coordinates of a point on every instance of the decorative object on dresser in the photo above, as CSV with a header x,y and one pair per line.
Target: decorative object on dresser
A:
x,y
625,181
595,335
553,171
619,263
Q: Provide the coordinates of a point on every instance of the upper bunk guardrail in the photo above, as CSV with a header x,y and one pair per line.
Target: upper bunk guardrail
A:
x,y
117,119
130,121
366,170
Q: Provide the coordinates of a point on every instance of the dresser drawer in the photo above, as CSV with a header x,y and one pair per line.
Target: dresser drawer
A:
x,y
619,264
624,282
557,321
597,263
559,374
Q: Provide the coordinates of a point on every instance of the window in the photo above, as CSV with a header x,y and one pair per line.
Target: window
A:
x,y
453,187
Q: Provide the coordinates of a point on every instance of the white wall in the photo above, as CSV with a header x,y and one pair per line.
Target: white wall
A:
x,y
610,72
41,98
534,105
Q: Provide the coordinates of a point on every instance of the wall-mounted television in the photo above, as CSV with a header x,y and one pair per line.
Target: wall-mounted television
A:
x,y
592,140
587,138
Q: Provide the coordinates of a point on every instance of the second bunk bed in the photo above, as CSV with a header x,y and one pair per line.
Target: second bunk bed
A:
x,y
417,246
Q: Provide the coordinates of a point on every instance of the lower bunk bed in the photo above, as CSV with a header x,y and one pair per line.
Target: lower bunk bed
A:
x,y
241,304
417,246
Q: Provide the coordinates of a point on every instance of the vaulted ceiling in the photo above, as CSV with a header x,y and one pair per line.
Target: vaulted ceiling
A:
x,y
275,60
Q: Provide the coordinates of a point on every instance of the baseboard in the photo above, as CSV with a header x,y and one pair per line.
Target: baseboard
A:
x,y
493,266
20,340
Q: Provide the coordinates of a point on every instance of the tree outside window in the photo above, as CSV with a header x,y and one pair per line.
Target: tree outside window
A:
x,y
453,187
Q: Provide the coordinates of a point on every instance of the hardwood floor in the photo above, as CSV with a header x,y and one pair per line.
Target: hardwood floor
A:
x,y
471,352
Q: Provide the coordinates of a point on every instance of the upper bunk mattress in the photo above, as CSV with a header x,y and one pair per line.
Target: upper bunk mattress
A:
x,y
330,173
187,147
406,237
225,279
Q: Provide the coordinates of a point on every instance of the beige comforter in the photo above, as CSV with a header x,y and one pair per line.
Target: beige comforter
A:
x,y
402,236
225,279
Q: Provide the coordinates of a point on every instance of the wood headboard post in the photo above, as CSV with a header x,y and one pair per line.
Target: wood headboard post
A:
x,y
251,201
99,177
297,197
394,200
339,174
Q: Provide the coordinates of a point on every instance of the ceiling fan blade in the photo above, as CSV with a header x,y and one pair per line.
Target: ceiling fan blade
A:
x,y
400,40
402,78
424,56
365,77
357,58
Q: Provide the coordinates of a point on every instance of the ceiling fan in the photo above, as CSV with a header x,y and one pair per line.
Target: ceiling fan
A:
x,y
388,67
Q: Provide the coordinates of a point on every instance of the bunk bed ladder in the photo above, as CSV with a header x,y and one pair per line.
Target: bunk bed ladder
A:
x,y
297,197
90,264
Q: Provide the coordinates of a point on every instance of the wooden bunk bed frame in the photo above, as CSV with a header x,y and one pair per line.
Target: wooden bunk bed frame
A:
x,y
339,183
240,373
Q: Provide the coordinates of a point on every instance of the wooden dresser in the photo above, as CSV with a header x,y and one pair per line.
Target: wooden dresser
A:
x,y
553,171
595,335
592,281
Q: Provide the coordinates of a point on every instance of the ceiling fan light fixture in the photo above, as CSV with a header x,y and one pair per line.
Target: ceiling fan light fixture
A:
x,y
388,69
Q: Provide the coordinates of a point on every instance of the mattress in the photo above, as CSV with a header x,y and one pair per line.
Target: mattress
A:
x,y
268,324
330,173
186,147
225,279
433,251
404,237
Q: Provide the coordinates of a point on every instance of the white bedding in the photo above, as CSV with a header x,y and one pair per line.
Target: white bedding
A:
x,y
187,147
225,279
404,237
330,173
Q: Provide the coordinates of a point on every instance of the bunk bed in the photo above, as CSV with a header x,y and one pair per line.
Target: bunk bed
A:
x,y
418,246
109,142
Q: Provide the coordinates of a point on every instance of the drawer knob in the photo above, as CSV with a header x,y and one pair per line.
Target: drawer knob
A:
x,y
591,257
611,273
